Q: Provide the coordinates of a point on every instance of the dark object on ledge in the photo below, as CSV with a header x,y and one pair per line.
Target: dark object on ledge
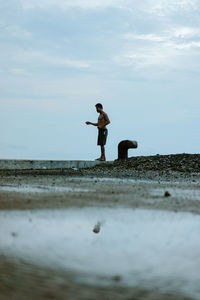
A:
x,y
123,148
167,194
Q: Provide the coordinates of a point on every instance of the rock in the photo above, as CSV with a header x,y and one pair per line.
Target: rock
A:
x,y
117,278
167,194
14,234
97,228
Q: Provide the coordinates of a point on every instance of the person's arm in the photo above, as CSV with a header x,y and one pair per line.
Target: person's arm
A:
x,y
90,123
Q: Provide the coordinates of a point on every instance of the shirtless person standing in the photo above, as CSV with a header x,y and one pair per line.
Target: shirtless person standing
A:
x,y
103,120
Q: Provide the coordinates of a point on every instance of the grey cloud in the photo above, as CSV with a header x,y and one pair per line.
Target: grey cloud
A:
x,y
159,7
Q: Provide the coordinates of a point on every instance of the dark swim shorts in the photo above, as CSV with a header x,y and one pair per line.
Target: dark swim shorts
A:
x,y
102,137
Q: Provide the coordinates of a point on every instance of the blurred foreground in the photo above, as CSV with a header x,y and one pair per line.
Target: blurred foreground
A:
x,y
146,245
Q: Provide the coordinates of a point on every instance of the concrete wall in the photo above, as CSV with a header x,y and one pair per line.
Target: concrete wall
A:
x,y
47,164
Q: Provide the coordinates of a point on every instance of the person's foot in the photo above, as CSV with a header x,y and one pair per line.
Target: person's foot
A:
x,y
101,159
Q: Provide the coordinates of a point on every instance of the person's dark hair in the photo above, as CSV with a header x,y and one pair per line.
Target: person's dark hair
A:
x,y
99,105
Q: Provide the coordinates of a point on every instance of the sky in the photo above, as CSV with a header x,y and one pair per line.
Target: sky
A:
x,y
140,59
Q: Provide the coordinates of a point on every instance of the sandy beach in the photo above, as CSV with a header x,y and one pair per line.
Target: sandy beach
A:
x,y
146,246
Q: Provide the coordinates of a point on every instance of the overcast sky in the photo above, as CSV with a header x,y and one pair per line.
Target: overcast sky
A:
x,y
141,59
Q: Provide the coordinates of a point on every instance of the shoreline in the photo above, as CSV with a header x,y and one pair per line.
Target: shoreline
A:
x,y
177,165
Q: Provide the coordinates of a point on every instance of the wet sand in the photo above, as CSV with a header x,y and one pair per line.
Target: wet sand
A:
x,y
32,192
60,191
21,280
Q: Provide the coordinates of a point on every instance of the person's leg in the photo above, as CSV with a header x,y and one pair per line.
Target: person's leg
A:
x,y
101,142
103,156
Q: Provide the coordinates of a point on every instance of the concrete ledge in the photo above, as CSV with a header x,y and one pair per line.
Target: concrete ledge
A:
x,y
48,164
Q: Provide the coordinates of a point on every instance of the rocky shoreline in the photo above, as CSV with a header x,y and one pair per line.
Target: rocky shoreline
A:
x,y
157,167
185,166
175,162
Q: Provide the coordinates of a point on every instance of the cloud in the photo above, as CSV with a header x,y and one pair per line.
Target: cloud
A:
x,y
14,31
140,49
170,49
48,87
146,37
83,4
186,46
158,7
169,34
160,61
166,7
43,58
185,32
19,71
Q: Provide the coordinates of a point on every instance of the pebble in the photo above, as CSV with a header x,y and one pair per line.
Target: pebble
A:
x,y
97,228
117,278
167,194
14,234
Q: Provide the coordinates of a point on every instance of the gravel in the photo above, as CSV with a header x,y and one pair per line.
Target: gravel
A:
x,y
185,166
158,167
